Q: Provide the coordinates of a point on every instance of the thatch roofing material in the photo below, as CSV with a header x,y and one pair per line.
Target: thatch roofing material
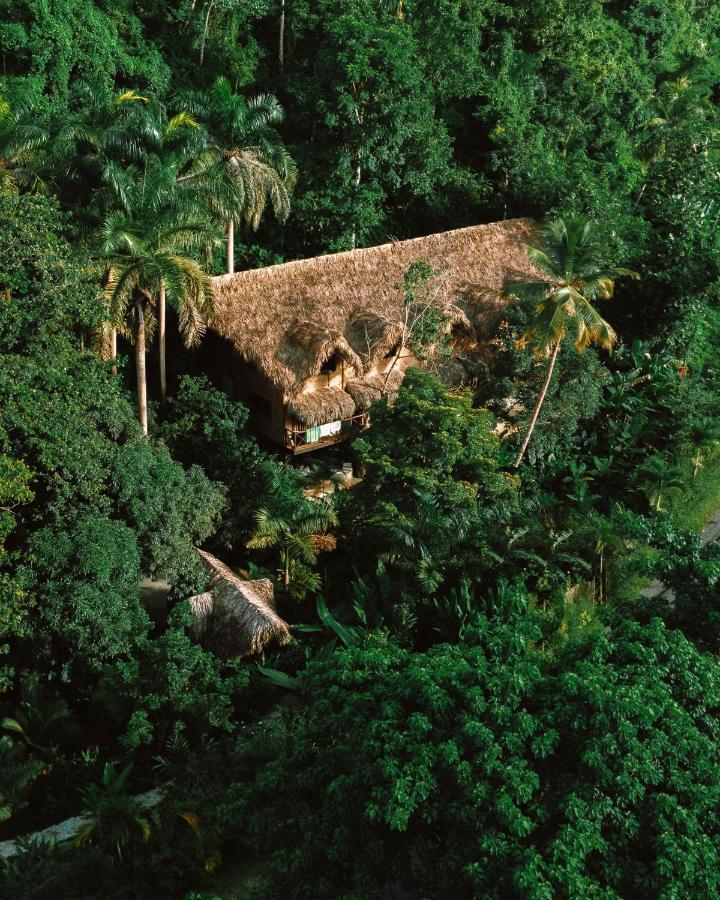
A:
x,y
238,618
321,406
372,335
365,391
269,313
201,610
308,344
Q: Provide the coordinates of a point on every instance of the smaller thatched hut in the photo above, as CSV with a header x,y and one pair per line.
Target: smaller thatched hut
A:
x,y
309,342
236,617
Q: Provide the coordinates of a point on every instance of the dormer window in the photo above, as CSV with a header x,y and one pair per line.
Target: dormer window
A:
x,y
330,365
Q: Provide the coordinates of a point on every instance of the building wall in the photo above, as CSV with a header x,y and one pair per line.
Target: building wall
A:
x,y
337,379
264,400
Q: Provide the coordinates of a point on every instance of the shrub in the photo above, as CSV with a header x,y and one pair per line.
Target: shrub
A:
x,y
167,684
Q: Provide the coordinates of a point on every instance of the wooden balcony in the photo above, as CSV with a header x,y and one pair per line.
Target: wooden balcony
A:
x,y
302,439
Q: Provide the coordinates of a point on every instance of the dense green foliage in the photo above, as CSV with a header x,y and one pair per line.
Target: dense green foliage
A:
x,y
487,770
426,507
168,685
47,48
203,424
480,697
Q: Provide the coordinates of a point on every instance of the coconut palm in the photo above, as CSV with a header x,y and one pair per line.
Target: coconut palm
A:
x,y
572,276
247,165
147,257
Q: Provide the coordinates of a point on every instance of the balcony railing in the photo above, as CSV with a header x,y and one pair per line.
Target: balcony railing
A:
x,y
302,437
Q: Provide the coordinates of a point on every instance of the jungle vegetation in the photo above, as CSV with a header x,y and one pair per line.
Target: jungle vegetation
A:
x,y
480,698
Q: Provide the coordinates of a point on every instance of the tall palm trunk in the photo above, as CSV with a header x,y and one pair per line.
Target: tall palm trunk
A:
x,y
140,366
206,26
281,37
538,407
161,341
112,349
358,179
230,246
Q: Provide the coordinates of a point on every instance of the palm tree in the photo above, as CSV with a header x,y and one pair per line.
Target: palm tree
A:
x,y
680,107
678,103
178,151
572,277
294,524
247,164
24,139
98,138
78,151
657,476
147,258
112,816
97,142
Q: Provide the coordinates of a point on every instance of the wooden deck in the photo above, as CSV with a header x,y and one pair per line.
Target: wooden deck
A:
x,y
296,438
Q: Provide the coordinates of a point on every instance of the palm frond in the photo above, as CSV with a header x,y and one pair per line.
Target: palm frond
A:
x,y
548,328
129,97
183,119
594,330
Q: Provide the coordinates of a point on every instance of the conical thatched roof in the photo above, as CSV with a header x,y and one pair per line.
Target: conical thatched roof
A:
x,y
323,405
372,334
288,319
365,391
237,617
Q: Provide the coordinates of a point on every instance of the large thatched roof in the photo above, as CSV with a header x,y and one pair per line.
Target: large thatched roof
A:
x,y
236,617
287,319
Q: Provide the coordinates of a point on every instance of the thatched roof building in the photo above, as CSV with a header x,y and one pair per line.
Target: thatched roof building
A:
x,y
366,391
236,617
328,326
286,319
